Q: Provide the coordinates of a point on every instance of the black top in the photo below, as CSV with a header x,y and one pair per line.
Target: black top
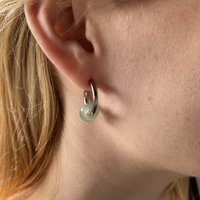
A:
x,y
193,189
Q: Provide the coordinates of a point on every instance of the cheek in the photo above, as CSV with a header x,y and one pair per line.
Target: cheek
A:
x,y
159,61
166,102
162,73
174,99
166,115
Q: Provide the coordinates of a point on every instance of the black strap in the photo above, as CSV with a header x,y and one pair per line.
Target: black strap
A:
x,y
193,189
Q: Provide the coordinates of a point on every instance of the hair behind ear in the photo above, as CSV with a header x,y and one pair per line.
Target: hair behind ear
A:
x,y
31,118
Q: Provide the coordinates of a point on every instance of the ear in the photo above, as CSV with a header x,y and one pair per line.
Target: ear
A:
x,y
60,30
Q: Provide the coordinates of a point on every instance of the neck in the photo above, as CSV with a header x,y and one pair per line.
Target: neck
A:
x,y
98,161
97,166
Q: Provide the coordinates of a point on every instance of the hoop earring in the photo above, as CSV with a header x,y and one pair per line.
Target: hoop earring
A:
x,y
89,112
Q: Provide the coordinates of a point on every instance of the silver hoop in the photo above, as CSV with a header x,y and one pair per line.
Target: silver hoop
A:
x,y
89,111
94,98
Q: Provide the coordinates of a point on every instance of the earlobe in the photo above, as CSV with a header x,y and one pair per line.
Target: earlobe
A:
x,y
62,39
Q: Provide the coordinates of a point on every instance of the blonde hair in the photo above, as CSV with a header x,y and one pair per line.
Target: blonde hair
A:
x,y
30,107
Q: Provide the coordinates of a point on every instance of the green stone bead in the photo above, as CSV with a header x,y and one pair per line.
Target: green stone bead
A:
x,y
85,113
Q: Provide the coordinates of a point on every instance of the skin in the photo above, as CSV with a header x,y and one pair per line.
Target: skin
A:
x,y
144,58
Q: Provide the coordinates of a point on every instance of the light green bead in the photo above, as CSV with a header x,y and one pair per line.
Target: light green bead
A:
x,y
85,113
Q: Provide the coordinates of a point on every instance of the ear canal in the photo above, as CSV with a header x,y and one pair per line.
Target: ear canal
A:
x,y
86,44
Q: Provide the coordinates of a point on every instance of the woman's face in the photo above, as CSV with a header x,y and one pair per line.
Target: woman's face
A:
x,y
151,51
